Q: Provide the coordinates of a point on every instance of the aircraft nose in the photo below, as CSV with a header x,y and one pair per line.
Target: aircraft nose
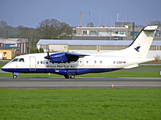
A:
x,y
3,68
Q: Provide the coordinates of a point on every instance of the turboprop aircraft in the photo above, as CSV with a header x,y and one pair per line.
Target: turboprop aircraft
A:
x,y
71,64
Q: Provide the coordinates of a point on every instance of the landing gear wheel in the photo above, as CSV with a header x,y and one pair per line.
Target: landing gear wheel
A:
x,y
66,76
72,76
15,76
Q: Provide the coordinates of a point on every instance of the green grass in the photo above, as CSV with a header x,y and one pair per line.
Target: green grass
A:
x,y
124,74
151,62
80,104
148,67
4,61
1,65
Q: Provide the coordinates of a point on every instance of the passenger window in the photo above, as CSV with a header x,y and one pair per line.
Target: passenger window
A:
x,y
14,60
37,62
100,62
41,62
87,62
21,60
95,62
46,62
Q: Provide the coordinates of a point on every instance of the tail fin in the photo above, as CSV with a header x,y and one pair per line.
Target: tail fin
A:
x,y
140,46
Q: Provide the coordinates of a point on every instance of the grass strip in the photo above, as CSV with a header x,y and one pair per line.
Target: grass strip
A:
x,y
80,104
124,74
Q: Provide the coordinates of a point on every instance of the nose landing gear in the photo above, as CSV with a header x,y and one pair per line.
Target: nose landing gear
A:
x,y
15,75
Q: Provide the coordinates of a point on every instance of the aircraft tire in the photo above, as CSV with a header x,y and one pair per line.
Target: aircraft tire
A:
x,y
72,76
15,76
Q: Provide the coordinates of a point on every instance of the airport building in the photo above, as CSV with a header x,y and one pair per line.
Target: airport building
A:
x,y
7,53
120,31
20,45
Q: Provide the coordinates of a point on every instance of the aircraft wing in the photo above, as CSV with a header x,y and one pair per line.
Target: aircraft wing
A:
x,y
74,56
63,57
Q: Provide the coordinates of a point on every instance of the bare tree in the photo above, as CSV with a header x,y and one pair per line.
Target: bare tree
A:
x,y
49,29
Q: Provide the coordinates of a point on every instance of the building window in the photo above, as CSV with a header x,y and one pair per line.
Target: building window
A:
x,y
136,33
84,32
4,53
94,32
121,32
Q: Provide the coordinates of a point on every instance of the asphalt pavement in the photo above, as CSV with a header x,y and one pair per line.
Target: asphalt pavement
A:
x,y
93,83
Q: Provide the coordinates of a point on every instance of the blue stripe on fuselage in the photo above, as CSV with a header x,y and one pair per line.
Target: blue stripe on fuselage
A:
x,y
60,71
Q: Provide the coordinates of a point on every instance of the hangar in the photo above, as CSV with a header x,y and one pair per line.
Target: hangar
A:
x,y
97,45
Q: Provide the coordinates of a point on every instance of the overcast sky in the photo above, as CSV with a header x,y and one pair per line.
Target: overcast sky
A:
x,y
30,13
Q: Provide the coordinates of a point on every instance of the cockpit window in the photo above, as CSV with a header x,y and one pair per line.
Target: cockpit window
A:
x,y
18,60
14,60
21,60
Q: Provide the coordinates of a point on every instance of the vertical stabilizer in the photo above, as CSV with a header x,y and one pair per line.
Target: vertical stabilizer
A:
x,y
140,46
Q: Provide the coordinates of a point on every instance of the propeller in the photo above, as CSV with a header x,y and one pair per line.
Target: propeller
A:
x,y
48,56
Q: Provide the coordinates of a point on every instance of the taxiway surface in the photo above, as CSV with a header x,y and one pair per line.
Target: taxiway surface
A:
x,y
52,83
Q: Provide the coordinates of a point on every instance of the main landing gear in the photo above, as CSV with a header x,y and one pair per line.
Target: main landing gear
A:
x,y
72,76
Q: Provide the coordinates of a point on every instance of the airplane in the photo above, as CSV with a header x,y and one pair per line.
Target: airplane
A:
x,y
70,64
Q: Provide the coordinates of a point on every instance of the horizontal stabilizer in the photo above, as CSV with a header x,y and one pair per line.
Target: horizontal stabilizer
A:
x,y
131,66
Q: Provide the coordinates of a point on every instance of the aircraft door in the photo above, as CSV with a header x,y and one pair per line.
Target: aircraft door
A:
x,y
32,63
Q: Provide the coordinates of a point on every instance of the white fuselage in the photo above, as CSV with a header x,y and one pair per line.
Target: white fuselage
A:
x,y
37,63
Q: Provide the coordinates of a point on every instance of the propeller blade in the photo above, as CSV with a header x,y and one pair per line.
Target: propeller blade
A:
x,y
48,56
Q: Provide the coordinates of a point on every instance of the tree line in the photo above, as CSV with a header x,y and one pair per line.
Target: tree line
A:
x,y
47,29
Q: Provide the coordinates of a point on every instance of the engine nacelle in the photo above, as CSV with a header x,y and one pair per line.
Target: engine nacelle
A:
x,y
58,58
